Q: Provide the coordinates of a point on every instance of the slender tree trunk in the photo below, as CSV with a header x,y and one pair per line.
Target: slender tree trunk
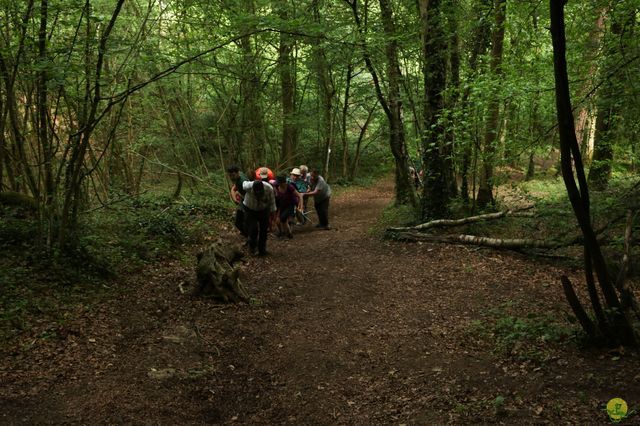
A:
x,y
253,132
479,46
326,90
572,169
288,94
75,173
391,104
20,173
600,171
535,132
3,156
485,184
531,167
345,110
586,111
48,212
405,193
449,147
363,130
23,170
609,102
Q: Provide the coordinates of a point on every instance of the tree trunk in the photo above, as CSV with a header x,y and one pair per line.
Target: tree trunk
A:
x,y
253,133
479,46
453,222
434,52
485,184
610,96
23,170
405,193
586,112
600,171
326,91
363,130
449,147
345,110
504,243
287,86
46,148
79,142
392,106
3,141
578,192
531,167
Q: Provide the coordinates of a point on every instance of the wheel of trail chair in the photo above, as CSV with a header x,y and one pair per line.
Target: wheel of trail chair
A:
x,y
303,218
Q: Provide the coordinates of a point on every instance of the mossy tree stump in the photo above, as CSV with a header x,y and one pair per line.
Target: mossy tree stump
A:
x,y
218,271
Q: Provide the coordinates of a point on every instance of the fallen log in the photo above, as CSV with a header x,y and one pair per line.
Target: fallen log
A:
x,y
458,222
509,243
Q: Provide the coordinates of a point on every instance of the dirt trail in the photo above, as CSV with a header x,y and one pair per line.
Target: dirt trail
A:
x,y
345,329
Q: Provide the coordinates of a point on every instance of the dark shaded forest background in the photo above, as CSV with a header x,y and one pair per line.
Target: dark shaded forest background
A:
x,y
118,118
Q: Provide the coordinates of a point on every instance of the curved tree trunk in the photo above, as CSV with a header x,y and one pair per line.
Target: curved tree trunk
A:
x,y
391,104
578,192
405,193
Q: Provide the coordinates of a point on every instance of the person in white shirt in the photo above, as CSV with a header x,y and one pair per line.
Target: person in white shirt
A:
x,y
259,202
321,196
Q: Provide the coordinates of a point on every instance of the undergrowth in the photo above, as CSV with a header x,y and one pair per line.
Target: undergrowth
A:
x,y
121,238
394,215
545,213
533,337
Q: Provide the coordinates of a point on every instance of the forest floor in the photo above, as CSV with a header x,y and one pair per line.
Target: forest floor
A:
x,y
343,328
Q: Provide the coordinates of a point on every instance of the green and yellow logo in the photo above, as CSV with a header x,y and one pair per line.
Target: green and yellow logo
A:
x,y
617,409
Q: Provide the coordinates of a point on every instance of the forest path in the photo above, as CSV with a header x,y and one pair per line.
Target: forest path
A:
x,y
346,329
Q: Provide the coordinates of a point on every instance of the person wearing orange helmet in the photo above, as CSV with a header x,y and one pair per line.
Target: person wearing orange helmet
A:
x,y
265,174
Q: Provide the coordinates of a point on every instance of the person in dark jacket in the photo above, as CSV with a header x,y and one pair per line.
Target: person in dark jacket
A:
x,y
287,199
237,195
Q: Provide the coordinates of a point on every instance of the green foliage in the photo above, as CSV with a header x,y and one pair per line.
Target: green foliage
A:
x,y
531,338
555,212
17,232
154,226
112,240
498,404
40,283
32,299
395,215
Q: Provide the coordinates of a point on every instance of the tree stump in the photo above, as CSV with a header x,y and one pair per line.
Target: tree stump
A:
x,y
217,273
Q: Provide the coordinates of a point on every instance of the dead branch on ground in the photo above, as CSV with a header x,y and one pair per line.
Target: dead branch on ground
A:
x,y
507,243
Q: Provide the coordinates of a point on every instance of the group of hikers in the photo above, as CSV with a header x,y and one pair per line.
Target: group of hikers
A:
x,y
266,202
